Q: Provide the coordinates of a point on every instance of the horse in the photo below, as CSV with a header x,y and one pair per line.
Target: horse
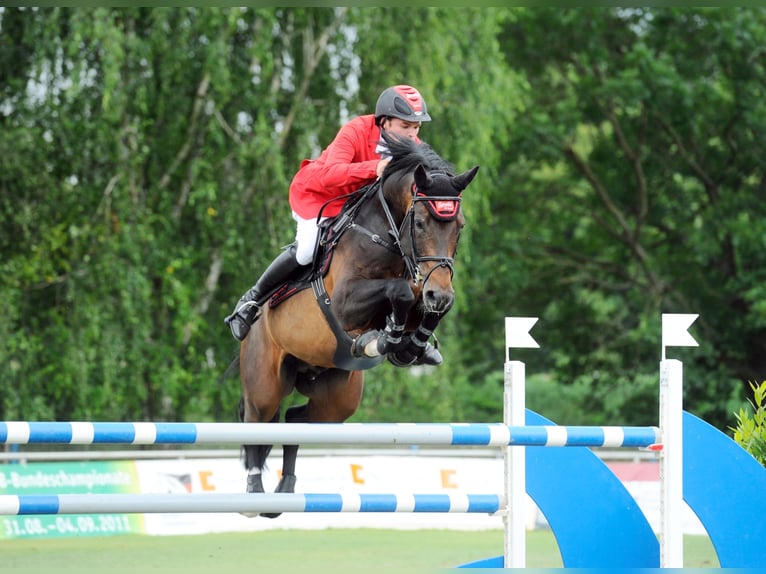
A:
x,y
383,285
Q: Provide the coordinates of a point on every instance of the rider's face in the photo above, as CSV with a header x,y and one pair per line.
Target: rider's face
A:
x,y
402,128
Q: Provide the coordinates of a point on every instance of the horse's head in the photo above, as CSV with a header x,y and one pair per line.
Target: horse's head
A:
x,y
425,194
431,230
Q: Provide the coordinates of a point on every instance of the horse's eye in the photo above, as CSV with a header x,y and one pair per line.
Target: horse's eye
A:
x,y
420,224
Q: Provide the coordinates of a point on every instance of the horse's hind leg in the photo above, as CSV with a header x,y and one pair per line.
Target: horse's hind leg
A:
x,y
286,483
297,414
254,456
333,397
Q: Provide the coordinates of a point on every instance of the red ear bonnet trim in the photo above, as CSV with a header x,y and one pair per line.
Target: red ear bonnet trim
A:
x,y
441,208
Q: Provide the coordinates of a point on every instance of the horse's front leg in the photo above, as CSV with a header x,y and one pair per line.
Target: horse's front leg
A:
x,y
369,296
415,349
393,338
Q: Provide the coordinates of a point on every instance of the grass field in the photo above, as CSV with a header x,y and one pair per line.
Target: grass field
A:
x,y
317,551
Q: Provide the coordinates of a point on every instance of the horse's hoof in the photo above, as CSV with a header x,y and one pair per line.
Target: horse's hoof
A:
x,y
430,356
401,359
286,484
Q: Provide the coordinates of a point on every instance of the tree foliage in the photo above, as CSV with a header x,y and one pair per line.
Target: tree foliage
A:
x,y
145,156
637,177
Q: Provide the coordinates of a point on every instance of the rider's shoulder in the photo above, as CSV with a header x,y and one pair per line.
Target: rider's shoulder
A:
x,y
360,123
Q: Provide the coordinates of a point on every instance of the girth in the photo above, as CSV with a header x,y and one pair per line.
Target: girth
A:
x,y
343,358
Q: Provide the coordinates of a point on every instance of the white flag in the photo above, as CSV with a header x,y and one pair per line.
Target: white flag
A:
x,y
675,331
517,333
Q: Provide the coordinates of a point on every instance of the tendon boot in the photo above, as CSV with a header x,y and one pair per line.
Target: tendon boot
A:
x,y
249,306
418,352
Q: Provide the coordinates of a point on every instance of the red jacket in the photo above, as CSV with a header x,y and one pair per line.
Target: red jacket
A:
x,y
348,163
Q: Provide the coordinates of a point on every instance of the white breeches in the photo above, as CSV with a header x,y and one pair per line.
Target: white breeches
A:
x,y
306,237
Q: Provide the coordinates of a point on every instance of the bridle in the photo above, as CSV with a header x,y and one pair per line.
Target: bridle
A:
x,y
413,260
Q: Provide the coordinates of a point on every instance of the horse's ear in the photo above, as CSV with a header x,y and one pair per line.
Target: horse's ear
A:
x,y
460,182
422,178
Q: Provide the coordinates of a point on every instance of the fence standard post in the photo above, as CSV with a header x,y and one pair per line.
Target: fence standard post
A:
x,y
671,464
514,457
515,468
674,334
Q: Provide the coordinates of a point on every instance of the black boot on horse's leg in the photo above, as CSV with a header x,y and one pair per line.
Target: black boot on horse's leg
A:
x,y
249,306
254,457
287,482
391,340
419,351
374,343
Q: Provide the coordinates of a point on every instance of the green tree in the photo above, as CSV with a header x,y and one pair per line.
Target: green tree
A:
x,y
146,155
637,175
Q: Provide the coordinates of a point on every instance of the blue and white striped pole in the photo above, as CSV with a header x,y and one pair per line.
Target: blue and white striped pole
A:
x,y
444,434
247,503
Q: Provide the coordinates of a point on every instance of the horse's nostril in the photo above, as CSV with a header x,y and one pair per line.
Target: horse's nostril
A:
x,y
438,301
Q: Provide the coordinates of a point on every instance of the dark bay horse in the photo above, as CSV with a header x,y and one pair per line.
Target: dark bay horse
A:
x,y
388,285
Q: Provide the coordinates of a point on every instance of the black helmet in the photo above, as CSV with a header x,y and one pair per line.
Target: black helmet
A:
x,y
403,102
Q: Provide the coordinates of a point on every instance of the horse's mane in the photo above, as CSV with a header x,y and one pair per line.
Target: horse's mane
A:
x,y
407,154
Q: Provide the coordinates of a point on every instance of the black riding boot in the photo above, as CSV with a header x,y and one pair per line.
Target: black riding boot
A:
x,y
249,306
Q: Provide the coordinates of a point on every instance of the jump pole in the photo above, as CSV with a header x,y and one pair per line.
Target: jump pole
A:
x,y
30,504
355,434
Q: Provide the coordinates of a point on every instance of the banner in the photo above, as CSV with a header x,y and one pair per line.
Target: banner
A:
x,y
104,477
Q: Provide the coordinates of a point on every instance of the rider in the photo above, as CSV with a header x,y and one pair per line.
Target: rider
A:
x,y
354,159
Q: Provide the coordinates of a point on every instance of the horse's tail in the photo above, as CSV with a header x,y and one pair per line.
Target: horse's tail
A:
x,y
231,371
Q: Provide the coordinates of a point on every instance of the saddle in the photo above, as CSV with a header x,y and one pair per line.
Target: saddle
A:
x,y
330,232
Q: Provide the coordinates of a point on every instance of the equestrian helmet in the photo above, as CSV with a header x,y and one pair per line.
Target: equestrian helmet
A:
x,y
403,102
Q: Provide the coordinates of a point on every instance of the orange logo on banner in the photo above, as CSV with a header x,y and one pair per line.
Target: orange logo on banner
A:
x,y
447,475
356,470
204,480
